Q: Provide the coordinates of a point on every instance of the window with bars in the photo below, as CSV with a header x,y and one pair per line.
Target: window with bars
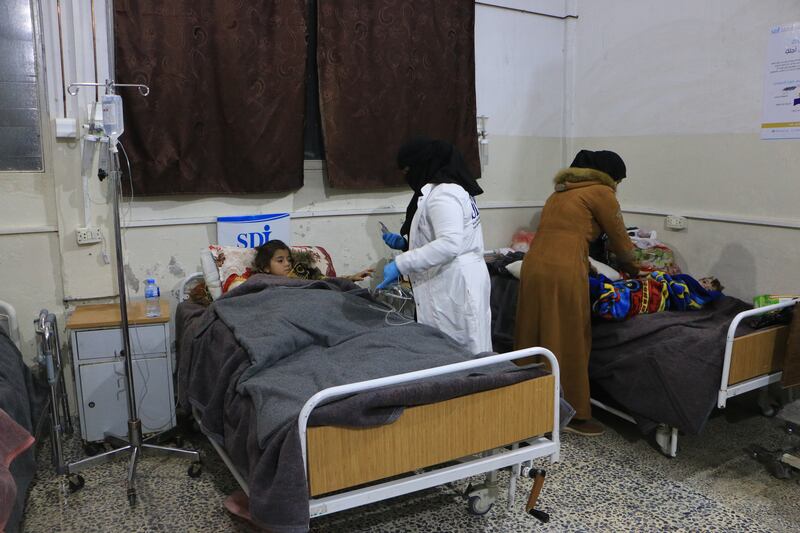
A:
x,y
20,125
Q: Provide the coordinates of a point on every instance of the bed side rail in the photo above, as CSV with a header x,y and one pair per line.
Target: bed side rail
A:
x,y
725,391
182,294
361,386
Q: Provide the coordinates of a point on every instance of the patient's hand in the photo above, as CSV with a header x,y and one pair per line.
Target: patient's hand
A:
x,y
360,276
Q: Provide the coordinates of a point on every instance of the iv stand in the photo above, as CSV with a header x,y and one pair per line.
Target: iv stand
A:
x,y
134,444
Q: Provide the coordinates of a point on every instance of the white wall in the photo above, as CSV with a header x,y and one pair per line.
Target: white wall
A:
x,y
675,88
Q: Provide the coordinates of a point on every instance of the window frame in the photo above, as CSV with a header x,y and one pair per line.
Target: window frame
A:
x,y
41,93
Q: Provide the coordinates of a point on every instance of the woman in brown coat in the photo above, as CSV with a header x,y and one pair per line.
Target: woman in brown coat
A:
x,y
553,309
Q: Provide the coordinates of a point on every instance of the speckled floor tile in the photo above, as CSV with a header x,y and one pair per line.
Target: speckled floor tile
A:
x,y
617,482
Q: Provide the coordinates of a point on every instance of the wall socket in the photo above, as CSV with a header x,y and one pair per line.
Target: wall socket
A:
x,y
88,235
676,222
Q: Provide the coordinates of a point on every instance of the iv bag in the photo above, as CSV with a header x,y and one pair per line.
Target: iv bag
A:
x,y
113,124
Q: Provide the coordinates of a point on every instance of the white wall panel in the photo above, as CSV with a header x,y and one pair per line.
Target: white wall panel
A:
x,y
519,72
30,271
681,67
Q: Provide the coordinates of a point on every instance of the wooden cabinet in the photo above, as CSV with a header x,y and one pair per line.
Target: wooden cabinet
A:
x,y
96,342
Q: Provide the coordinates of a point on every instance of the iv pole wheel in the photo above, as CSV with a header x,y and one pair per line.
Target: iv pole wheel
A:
x,y
132,497
76,482
195,469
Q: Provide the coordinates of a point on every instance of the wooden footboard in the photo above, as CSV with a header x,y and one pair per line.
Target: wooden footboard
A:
x,y
757,354
426,435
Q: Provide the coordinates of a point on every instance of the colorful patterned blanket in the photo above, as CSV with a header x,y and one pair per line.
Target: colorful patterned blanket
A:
x,y
658,291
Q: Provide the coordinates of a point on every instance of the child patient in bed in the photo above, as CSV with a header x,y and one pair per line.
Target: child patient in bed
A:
x,y
656,292
276,258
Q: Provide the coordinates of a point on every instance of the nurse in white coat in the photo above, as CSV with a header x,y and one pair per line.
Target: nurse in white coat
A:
x,y
445,244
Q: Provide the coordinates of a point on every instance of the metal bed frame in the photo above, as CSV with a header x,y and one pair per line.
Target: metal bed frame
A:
x,y
481,497
667,436
487,463
52,366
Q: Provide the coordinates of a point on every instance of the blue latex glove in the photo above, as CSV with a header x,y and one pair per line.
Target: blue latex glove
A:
x,y
390,274
395,241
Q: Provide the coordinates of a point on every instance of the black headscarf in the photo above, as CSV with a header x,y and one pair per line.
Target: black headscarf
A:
x,y
603,160
432,161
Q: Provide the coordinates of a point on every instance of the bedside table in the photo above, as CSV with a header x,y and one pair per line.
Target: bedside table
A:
x,y
96,343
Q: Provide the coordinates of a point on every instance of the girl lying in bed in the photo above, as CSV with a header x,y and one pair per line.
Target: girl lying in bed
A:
x,y
656,292
276,258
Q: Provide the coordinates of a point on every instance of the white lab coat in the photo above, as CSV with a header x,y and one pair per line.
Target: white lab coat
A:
x,y
446,266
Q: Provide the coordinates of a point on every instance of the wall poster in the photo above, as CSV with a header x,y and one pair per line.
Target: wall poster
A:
x,y
781,117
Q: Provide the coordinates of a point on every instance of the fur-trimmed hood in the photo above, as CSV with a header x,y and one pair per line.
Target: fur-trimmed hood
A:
x,y
573,177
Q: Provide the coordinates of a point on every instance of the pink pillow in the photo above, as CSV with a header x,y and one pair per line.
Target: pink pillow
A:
x,y
322,259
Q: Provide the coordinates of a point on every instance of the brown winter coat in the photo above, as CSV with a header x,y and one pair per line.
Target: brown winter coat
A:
x,y
553,309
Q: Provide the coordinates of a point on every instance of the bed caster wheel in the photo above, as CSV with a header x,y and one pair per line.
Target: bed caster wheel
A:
x,y
178,441
481,498
76,482
195,469
93,448
480,506
768,411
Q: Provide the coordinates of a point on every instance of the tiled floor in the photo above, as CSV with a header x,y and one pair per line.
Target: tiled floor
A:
x,y
617,482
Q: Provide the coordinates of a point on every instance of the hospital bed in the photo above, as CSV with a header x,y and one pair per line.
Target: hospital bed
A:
x,y
751,360
742,359
428,445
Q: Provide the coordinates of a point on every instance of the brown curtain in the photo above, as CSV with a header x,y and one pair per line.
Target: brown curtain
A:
x,y
226,107
389,69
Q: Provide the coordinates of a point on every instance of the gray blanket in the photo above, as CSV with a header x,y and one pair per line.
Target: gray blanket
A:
x,y
301,341
664,367
283,341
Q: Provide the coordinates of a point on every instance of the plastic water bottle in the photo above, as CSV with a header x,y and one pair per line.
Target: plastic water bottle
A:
x,y
151,298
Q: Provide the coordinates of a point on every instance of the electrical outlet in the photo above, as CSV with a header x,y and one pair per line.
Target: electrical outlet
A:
x,y
676,222
88,235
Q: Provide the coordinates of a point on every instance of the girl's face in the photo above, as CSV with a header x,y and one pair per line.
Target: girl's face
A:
x,y
281,263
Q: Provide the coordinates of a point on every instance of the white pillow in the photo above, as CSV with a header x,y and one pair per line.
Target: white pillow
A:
x,y
514,268
605,270
210,273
